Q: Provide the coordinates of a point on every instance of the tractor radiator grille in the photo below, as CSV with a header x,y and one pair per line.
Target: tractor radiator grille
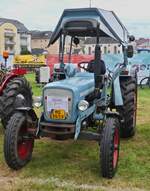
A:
x,y
58,93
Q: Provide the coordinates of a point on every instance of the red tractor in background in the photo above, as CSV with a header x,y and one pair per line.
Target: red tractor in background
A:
x,y
15,90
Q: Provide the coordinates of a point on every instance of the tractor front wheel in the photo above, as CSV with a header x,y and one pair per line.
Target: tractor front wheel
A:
x,y
18,145
109,147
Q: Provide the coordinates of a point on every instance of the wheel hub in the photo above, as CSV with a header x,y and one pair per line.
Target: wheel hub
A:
x,y
24,144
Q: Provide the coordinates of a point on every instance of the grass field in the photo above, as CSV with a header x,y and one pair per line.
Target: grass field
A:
x,y
69,165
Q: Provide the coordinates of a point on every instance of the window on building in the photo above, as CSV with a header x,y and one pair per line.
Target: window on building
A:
x,y
90,50
105,50
115,49
108,51
118,51
24,50
11,48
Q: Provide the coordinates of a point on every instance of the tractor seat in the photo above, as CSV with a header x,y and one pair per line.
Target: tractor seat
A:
x,y
90,67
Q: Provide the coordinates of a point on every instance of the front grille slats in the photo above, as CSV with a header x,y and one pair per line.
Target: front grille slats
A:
x,y
58,93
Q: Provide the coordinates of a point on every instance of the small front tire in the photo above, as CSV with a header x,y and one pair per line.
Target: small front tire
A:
x,y
109,147
18,146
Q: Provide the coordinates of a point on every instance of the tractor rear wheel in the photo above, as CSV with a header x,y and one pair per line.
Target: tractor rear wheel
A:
x,y
16,94
129,109
109,147
18,145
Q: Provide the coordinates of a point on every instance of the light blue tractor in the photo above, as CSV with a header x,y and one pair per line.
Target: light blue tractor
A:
x,y
82,101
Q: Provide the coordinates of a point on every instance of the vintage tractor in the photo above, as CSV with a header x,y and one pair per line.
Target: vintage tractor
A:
x,y
15,91
81,102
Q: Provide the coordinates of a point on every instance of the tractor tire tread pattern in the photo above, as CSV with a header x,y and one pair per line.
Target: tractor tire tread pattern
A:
x,y
10,138
129,92
106,147
13,87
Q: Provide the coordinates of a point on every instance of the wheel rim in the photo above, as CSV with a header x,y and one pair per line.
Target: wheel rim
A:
x,y
24,144
116,148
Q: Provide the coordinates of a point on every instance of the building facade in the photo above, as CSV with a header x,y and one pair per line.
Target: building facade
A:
x,y
8,38
14,37
142,44
40,41
108,46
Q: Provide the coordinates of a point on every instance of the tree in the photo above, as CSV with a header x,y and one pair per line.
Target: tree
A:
x,y
25,51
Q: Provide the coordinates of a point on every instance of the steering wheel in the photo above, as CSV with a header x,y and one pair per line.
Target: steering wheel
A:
x,y
83,65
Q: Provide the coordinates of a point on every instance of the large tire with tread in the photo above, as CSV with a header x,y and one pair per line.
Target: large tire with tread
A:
x,y
18,146
109,147
16,94
129,109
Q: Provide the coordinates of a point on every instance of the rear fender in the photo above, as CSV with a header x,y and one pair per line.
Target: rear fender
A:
x,y
32,125
117,95
19,71
13,73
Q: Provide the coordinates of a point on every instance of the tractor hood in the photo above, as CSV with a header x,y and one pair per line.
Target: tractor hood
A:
x,y
86,21
81,84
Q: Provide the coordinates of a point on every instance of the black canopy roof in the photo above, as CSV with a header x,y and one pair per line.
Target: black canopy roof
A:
x,y
86,21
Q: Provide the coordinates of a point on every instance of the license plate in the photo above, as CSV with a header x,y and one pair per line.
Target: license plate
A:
x,y
58,114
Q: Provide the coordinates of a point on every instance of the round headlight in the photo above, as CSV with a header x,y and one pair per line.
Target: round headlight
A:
x,y
83,105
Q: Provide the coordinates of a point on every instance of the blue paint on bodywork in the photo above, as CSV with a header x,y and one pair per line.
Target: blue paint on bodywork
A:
x,y
117,92
81,81
81,85
82,116
116,84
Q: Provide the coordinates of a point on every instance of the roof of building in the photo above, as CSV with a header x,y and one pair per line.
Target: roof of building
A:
x,y
141,41
36,34
103,40
20,26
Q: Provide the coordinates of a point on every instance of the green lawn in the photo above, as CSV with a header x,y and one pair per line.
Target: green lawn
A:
x,y
73,165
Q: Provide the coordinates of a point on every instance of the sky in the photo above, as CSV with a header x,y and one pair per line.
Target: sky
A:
x,y
44,14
